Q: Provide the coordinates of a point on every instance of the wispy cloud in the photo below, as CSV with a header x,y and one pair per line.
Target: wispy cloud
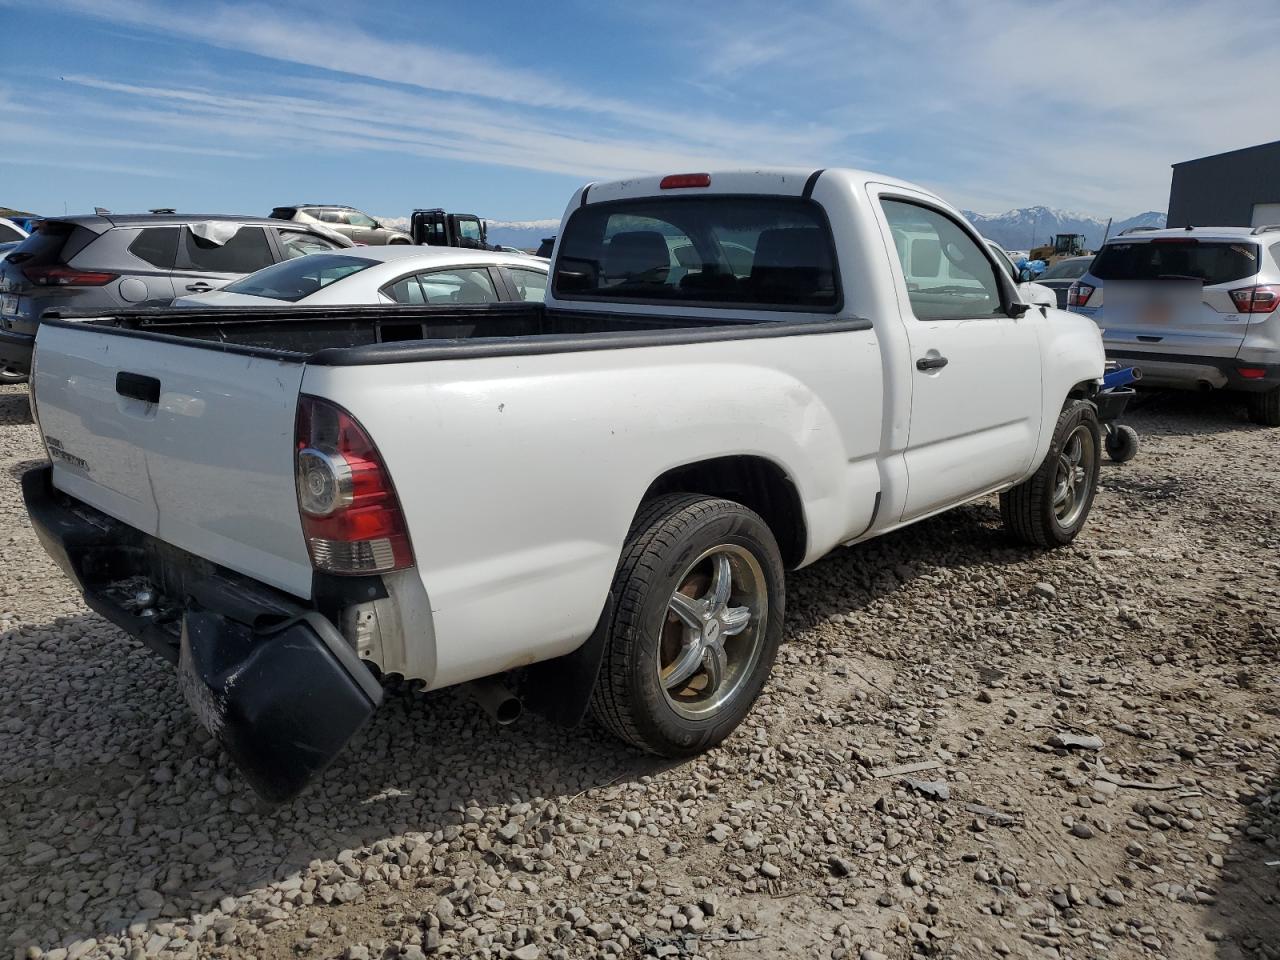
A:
x,y
992,104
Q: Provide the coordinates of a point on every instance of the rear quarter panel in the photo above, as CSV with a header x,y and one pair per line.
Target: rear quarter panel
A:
x,y
519,476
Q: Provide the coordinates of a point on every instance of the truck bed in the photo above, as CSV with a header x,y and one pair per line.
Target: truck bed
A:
x,y
353,335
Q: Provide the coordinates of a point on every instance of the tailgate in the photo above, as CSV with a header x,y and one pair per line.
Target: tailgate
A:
x,y
183,441
1172,317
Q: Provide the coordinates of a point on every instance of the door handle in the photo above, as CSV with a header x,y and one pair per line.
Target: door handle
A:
x,y
199,287
137,386
931,363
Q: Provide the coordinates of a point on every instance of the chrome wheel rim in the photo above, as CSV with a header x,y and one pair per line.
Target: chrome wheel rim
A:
x,y
1073,482
712,631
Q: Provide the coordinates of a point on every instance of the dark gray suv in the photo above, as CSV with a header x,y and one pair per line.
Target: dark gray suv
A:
x,y
116,261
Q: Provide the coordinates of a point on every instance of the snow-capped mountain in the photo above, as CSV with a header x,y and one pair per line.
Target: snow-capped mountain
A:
x,y
1030,226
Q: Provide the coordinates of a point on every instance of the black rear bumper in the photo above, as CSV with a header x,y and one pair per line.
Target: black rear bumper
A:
x,y
273,679
1229,367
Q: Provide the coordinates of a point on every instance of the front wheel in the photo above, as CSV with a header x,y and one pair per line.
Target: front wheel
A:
x,y
698,615
1050,508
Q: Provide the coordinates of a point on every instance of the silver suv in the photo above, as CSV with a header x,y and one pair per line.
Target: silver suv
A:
x,y
115,261
1193,308
348,221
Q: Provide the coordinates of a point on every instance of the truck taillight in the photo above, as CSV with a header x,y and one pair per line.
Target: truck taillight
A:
x,y
351,517
59,275
1078,294
1260,299
683,181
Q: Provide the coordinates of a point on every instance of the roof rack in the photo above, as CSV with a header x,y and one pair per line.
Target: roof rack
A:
x,y
1128,230
1266,228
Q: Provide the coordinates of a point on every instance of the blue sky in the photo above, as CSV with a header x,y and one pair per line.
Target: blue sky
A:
x,y
502,108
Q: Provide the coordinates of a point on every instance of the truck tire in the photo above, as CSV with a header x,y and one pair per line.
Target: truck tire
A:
x,y
1264,408
698,609
1050,508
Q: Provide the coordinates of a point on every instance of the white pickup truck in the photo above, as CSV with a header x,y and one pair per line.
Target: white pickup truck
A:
x,y
594,498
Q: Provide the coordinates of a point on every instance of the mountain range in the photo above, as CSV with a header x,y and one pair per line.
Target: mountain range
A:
x,y
1030,226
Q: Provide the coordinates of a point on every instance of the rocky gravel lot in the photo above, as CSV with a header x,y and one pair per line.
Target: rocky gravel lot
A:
x,y
967,750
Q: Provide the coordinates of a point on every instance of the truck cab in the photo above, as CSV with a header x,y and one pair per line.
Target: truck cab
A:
x,y
436,228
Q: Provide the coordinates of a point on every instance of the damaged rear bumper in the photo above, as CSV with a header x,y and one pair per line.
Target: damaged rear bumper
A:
x,y
271,678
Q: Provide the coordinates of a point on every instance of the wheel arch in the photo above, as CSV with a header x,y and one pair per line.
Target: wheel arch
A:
x,y
757,483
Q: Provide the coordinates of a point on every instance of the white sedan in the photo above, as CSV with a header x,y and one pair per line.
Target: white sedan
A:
x,y
393,274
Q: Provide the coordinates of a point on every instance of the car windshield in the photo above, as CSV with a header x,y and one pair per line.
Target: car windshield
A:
x,y
292,280
1066,270
1209,261
768,252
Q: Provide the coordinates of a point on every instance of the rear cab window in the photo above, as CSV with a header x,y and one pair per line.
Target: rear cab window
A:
x,y
1210,262
770,253
300,277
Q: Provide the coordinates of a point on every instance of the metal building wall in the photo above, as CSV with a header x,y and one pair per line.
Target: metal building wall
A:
x,y
1221,190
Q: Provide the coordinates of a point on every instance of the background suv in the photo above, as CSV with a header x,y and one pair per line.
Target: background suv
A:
x,y
348,221
117,261
1193,308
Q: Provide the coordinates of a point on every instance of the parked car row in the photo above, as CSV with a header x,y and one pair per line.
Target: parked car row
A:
x,y
109,262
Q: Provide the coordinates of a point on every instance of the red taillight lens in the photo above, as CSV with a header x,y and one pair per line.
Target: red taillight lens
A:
x,y
1078,294
681,181
59,275
351,517
1252,373
1260,299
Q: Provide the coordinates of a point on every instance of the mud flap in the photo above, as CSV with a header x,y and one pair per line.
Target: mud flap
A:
x,y
283,702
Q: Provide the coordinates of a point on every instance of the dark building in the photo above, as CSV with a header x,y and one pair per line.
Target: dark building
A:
x,y
1236,189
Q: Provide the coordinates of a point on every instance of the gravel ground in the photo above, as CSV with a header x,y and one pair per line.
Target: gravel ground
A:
x,y
895,793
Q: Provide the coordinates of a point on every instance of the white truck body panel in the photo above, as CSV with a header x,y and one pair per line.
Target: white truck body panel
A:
x,y
519,475
522,433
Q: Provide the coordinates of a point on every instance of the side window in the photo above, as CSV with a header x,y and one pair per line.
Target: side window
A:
x,y
357,219
471,285
469,230
244,252
295,243
948,276
407,290
9,234
158,246
329,216
531,285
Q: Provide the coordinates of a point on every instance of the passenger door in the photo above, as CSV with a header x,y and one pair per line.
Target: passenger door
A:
x,y
209,262
975,374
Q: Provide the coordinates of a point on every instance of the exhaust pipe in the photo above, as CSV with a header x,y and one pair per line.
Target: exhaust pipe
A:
x,y
496,700
1204,385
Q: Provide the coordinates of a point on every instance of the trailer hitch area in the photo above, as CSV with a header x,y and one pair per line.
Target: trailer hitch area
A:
x,y
282,700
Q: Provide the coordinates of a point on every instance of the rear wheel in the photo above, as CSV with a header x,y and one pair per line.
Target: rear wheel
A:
x,y
698,620
12,375
1050,508
1264,408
